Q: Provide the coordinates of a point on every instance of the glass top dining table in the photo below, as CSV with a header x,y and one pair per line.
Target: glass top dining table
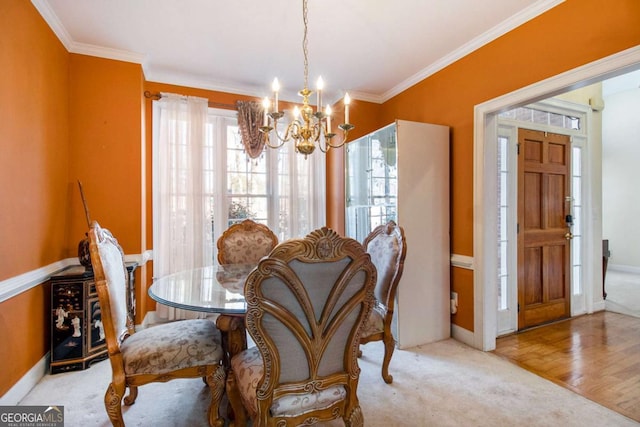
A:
x,y
213,289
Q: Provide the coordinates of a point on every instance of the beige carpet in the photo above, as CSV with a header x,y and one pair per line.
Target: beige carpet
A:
x,y
441,384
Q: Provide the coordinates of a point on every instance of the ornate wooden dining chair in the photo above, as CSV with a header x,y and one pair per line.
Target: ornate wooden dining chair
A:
x,y
387,246
306,303
245,243
182,349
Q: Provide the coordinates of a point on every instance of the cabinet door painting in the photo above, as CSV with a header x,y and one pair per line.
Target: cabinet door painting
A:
x,y
67,307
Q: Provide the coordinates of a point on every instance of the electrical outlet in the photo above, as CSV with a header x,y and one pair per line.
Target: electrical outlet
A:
x,y
454,302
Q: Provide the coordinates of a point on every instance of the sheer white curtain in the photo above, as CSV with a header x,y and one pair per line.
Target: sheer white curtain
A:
x,y
301,193
182,216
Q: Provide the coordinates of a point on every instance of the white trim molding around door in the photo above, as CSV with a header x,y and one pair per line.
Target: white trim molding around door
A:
x,y
485,177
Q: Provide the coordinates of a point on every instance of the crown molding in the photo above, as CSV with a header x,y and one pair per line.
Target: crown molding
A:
x,y
108,53
182,79
369,97
179,79
504,27
72,46
54,23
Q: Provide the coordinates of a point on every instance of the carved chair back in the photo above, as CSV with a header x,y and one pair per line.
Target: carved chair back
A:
x,y
245,243
305,305
110,276
386,245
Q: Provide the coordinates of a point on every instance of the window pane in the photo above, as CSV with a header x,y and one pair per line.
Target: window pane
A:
x,y
503,188
577,280
576,161
577,220
576,190
502,293
577,256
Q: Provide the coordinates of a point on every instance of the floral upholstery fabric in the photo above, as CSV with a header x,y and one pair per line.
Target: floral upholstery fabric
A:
x,y
374,323
171,346
246,248
249,369
384,251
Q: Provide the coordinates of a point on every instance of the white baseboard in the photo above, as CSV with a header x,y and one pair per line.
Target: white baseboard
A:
x,y
26,383
598,306
624,268
463,335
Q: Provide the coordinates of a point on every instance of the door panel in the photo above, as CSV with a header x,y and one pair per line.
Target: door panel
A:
x,y
543,249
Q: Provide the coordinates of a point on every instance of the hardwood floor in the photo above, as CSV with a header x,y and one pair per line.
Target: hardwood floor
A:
x,y
596,356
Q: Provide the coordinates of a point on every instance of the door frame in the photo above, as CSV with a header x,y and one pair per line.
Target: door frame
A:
x,y
507,319
485,196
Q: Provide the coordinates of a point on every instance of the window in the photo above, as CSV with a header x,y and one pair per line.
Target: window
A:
x,y
503,216
576,227
219,185
542,117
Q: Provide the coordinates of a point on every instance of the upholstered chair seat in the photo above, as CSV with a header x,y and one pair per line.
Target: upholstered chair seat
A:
x,y
172,346
249,369
374,323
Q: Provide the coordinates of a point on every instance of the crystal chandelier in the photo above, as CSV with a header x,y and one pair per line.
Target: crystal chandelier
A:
x,y
308,127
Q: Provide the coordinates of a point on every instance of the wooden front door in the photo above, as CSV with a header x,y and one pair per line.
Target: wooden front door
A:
x,y
543,235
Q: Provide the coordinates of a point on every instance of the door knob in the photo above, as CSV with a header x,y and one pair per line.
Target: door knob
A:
x,y
568,236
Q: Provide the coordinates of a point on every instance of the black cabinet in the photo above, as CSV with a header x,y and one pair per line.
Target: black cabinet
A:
x,y
77,334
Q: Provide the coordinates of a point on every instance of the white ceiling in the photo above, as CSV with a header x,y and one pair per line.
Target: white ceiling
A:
x,y
372,48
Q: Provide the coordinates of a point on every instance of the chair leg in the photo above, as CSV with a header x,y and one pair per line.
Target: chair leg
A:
x,y
233,394
130,399
355,418
389,346
216,382
113,403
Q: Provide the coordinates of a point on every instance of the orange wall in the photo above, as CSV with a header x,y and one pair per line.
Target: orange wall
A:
x,y
106,147
34,113
65,117
106,139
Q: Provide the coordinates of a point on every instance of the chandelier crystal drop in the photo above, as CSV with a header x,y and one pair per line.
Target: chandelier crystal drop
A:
x,y
309,127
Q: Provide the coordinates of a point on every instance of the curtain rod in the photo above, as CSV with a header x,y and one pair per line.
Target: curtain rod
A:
x,y
158,95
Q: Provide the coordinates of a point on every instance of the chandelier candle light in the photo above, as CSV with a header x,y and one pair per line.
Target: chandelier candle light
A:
x,y
308,128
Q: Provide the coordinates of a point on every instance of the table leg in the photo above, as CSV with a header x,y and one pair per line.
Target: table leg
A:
x,y
234,340
234,335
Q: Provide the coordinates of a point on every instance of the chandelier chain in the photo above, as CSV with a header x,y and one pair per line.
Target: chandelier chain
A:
x,y
308,128
305,48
